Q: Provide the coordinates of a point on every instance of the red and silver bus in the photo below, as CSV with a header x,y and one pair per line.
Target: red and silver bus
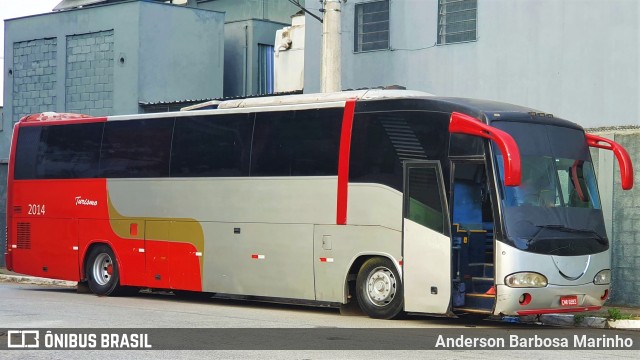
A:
x,y
394,200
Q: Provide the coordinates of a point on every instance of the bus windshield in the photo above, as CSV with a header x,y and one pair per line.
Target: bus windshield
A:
x,y
556,208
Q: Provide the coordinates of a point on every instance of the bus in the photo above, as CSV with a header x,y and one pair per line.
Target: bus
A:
x,y
392,200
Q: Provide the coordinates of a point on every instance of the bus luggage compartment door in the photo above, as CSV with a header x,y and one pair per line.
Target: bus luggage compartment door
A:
x,y
426,243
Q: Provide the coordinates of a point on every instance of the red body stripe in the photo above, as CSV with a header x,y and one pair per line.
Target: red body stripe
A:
x,y
624,161
343,161
465,124
554,311
254,256
63,122
14,140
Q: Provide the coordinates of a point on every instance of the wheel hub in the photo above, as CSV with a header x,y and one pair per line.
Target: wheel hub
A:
x,y
102,269
381,286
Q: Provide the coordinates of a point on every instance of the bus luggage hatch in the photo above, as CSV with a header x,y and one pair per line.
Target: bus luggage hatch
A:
x,y
426,244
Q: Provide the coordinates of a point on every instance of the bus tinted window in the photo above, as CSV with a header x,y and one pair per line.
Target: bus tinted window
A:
x,y
296,143
381,141
466,145
136,149
58,152
27,152
424,202
69,151
211,146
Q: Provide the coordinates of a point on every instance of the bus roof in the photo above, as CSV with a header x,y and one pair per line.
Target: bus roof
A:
x,y
373,94
485,110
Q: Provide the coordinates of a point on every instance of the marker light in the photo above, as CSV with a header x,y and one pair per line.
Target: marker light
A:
x,y
603,277
525,299
526,279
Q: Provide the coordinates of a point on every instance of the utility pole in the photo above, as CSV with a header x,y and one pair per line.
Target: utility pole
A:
x,y
331,48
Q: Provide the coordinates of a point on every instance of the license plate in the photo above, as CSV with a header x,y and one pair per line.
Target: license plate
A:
x,y
569,300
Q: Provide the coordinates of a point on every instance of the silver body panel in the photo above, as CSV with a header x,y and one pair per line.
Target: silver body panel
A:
x,y
510,260
277,225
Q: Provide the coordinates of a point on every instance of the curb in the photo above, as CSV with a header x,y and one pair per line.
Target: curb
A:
x,y
570,320
21,279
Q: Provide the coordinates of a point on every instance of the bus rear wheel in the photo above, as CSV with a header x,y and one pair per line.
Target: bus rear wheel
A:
x,y
102,272
379,289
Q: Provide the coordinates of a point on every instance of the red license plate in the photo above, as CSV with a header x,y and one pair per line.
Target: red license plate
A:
x,y
571,300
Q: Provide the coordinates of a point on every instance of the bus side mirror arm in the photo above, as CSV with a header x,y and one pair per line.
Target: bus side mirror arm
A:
x,y
465,124
624,160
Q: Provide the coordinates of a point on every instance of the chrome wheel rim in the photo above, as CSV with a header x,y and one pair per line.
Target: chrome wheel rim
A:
x,y
381,286
103,269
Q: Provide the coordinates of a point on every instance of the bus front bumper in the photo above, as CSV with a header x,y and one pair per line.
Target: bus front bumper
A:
x,y
586,297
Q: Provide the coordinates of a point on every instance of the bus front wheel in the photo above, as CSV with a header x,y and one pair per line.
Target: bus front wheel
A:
x,y
102,271
379,289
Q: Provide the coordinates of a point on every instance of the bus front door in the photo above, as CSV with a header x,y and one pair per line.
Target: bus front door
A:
x,y
426,242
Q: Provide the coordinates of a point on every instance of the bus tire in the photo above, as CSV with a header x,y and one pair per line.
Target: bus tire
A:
x,y
379,289
102,271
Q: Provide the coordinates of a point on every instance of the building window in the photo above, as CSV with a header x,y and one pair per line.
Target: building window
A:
x,y
457,21
265,69
371,26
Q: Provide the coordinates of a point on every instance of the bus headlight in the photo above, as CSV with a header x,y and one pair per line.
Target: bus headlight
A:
x,y
603,277
526,280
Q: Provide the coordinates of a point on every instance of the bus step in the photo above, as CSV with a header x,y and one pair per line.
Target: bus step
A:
x,y
479,301
481,269
481,285
472,310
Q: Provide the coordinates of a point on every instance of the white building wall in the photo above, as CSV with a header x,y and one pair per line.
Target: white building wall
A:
x,y
577,59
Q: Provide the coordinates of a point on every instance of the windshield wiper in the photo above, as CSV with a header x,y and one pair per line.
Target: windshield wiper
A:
x,y
563,228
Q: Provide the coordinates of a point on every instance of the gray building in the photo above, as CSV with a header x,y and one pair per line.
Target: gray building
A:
x,y
576,59
111,57
83,61
250,28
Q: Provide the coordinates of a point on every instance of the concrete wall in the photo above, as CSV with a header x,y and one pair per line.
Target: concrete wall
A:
x,y
576,59
274,10
622,214
34,74
181,53
241,69
89,75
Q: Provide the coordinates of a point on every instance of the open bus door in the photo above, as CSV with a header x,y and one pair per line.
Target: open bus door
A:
x,y
426,242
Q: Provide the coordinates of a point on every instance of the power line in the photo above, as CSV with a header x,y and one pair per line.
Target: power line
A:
x,y
297,3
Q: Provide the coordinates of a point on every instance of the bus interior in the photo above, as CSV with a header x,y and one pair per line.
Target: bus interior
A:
x,y
472,239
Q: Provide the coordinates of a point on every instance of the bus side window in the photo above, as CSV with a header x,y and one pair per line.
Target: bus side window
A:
x,y
27,152
69,151
58,152
300,143
213,145
136,148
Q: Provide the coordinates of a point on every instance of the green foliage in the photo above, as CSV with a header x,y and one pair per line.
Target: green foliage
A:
x,y
615,314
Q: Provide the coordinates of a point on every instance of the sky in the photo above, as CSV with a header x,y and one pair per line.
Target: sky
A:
x,y
10,9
